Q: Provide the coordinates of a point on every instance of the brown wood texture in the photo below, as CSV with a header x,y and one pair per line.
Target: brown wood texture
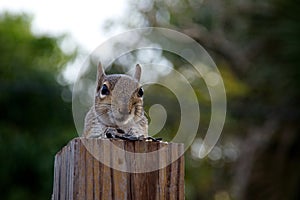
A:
x,y
78,175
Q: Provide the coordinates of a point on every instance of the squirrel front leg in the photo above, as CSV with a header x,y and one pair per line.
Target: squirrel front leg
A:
x,y
93,128
96,131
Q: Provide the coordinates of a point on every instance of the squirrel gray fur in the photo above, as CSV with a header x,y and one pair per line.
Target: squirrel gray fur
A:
x,y
118,106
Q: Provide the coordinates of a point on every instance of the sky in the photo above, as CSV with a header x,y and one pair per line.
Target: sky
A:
x,y
83,21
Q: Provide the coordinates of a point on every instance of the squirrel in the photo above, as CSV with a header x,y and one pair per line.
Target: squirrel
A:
x,y
118,106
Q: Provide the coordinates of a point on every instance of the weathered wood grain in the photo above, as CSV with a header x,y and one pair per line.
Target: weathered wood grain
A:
x,y
79,175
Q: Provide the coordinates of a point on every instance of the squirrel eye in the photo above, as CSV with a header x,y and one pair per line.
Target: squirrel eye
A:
x,y
140,92
104,90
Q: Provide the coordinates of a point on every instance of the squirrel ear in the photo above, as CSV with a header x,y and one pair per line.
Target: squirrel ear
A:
x,y
100,76
138,71
100,73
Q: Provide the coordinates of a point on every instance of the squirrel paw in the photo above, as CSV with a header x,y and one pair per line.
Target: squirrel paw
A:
x,y
130,137
154,139
110,132
120,134
133,132
114,133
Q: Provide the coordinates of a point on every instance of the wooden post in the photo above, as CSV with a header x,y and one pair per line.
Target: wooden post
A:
x,y
92,169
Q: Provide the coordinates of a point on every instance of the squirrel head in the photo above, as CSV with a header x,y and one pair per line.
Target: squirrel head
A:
x,y
119,97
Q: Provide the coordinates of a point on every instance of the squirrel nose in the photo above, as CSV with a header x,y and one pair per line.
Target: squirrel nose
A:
x,y
123,111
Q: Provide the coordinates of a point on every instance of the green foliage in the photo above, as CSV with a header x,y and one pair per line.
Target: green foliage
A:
x,y
34,122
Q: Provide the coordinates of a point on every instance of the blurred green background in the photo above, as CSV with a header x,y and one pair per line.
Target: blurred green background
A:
x,y
256,46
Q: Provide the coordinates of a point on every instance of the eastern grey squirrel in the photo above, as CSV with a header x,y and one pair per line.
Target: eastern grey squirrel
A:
x,y
118,106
